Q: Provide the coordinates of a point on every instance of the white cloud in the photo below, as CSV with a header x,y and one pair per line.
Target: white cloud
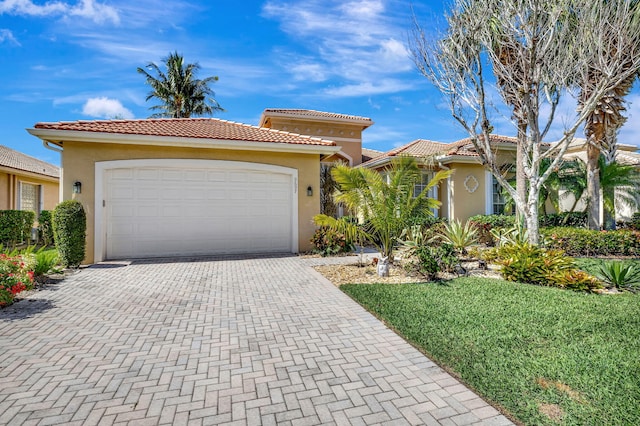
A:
x,y
7,35
368,88
357,41
96,12
106,108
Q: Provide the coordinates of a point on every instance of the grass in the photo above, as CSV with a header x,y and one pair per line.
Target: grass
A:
x,y
532,350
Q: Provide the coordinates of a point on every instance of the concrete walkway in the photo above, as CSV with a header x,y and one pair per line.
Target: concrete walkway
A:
x,y
244,341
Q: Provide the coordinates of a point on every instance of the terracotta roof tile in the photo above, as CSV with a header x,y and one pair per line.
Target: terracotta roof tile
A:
x,y
316,114
199,128
19,161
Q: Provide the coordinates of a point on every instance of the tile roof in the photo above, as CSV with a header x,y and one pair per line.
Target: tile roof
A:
x,y
310,113
426,148
19,161
370,154
199,128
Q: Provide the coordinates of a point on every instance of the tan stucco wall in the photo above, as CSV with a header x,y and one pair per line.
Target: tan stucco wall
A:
x,y
79,165
9,184
465,204
348,137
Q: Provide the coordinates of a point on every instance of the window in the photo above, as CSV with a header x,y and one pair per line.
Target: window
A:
x,y
30,197
498,198
425,177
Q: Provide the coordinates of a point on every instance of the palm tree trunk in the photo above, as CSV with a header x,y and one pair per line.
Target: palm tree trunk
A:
x,y
521,178
593,187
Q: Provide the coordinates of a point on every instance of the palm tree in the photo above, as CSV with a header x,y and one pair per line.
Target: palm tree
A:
x,y
180,92
620,184
386,204
602,125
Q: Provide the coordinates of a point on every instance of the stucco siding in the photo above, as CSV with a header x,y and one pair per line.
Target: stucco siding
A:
x,y
10,182
79,165
467,199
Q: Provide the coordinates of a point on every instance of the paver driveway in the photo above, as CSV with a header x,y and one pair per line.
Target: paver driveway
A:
x,y
215,341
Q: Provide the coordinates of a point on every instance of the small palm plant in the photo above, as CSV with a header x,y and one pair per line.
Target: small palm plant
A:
x,y
620,275
459,236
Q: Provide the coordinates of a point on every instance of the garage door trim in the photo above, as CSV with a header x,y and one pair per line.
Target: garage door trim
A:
x,y
100,189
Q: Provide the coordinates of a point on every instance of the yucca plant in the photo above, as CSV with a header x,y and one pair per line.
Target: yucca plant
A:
x,y
459,236
619,275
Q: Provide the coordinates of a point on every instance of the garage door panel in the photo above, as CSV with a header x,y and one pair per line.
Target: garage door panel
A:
x,y
166,211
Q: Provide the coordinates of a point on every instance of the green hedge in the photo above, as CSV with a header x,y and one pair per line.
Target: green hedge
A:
x,y
15,226
45,228
69,232
486,222
586,242
564,219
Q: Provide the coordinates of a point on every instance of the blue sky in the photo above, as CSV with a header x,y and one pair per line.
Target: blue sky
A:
x,y
65,60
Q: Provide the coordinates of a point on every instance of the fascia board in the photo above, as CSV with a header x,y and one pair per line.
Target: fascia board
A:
x,y
57,137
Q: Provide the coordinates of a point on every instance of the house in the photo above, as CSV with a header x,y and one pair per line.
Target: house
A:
x,y
472,189
194,186
27,183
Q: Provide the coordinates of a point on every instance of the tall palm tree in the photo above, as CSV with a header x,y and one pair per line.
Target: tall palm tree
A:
x,y
601,127
181,94
386,204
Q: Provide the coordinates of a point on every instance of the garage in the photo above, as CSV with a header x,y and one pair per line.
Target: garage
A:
x,y
168,207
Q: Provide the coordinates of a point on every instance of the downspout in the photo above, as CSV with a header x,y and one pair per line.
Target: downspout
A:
x,y
55,148
448,191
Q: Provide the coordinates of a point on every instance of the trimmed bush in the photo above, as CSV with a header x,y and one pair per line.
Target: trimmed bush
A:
x,y
634,222
45,228
578,219
15,226
586,242
69,232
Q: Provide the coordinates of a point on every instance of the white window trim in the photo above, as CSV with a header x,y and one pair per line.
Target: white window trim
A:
x,y
101,167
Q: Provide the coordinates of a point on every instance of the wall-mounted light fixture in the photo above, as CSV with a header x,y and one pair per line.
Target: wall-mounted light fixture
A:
x,y
309,191
77,187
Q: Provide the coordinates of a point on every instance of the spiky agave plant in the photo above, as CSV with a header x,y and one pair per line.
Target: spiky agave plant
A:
x,y
621,275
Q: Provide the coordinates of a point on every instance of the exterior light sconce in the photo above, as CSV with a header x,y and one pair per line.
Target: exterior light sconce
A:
x,y
309,191
77,187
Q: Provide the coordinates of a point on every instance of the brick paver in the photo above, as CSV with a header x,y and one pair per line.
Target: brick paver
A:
x,y
243,341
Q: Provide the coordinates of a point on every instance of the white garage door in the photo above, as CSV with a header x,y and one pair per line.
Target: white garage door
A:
x,y
215,207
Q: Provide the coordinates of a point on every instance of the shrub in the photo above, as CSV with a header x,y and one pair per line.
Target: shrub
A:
x,y
45,229
16,275
535,265
485,223
69,227
429,260
576,219
619,275
328,242
15,226
634,222
586,242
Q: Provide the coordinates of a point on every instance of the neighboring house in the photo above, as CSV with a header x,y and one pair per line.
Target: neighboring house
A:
x,y
471,190
27,183
193,186
625,154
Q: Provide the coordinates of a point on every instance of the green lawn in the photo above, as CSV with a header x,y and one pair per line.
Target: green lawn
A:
x,y
526,348
590,265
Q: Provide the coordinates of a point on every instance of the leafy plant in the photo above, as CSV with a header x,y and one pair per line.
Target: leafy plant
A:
x,y
619,275
459,236
46,261
328,242
586,242
69,227
575,279
429,260
387,205
485,223
16,275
